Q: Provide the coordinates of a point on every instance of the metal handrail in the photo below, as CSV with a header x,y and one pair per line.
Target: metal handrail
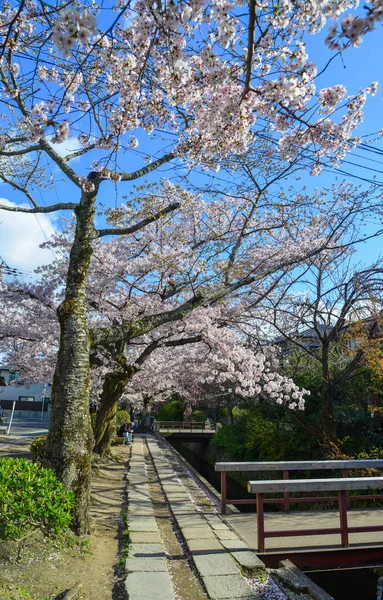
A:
x,y
182,425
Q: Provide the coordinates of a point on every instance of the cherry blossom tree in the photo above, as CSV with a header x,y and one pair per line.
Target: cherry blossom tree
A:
x,y
160,272
210,74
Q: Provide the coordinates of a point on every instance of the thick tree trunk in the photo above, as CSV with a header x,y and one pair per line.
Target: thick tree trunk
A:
x,y
113,388
328,422
70,439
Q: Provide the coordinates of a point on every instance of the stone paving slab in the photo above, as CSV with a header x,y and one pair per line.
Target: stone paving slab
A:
x,y
139,492
142,523
138,484
139,501
139,498
148,565
205,546
225,535
179,510
248,560
197,533
228,587
190,521
137,511
144,537
146,551
147,586
144,506
219,527
215,564
233,545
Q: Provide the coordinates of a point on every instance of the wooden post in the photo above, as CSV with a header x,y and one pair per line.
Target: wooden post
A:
x,y
343,518
223,493
345,474
286,495
260,524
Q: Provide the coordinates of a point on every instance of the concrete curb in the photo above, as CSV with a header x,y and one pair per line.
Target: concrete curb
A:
x,y
289,575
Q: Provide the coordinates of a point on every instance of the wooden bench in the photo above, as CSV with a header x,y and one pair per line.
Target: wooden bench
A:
x,y
342,486
293,465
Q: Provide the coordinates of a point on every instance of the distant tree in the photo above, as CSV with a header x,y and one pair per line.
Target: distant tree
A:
x,y
339,313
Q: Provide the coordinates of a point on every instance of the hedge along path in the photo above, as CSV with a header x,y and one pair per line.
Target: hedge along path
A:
x,y
97,568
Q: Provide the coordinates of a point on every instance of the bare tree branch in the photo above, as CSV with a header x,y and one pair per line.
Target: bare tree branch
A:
x,y
78,153
250,47
18,187
148,169
60,162
21,151
137,226
41,209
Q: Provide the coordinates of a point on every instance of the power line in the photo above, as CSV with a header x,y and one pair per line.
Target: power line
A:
x,y
5,268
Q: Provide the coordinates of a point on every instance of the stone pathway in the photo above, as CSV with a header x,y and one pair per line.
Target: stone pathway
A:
x,y
147,574
216,551
219,558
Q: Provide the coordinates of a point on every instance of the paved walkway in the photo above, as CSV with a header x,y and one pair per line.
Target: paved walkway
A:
x,y
181,549
217,554
148,576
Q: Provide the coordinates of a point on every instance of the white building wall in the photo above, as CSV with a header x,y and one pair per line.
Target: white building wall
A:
x,y
32,390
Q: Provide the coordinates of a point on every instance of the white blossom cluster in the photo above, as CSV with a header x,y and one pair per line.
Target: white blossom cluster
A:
x,y
71,26
146,72
62,133
354,27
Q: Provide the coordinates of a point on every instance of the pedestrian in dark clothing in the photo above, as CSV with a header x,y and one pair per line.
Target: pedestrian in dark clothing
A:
x,y
124,432
132,429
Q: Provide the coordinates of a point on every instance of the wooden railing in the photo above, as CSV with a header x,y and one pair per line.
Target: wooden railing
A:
x,y
342,486
286,467
184,425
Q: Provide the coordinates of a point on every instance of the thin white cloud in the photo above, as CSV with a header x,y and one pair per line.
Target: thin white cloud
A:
x,y
20,237
70,145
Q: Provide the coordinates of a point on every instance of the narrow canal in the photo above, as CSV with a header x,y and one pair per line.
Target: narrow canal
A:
x,y
342,584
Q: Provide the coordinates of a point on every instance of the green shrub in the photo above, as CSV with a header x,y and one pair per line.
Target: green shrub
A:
x,y
171,411
229,441
199,415
38,448
31,498
122,416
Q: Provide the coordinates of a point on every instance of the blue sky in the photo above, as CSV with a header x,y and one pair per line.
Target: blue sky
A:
x,y
20,236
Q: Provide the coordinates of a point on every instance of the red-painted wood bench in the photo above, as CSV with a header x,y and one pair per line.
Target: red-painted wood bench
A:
x,y
286,467
341,485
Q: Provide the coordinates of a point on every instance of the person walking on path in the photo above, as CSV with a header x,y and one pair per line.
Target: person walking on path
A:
x,y
131,431
124,432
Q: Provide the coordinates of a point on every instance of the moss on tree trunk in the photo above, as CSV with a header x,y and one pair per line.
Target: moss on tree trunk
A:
x,y
70,439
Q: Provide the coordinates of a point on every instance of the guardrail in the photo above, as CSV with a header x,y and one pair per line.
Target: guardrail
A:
x,y
286,466
342,486
184,425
